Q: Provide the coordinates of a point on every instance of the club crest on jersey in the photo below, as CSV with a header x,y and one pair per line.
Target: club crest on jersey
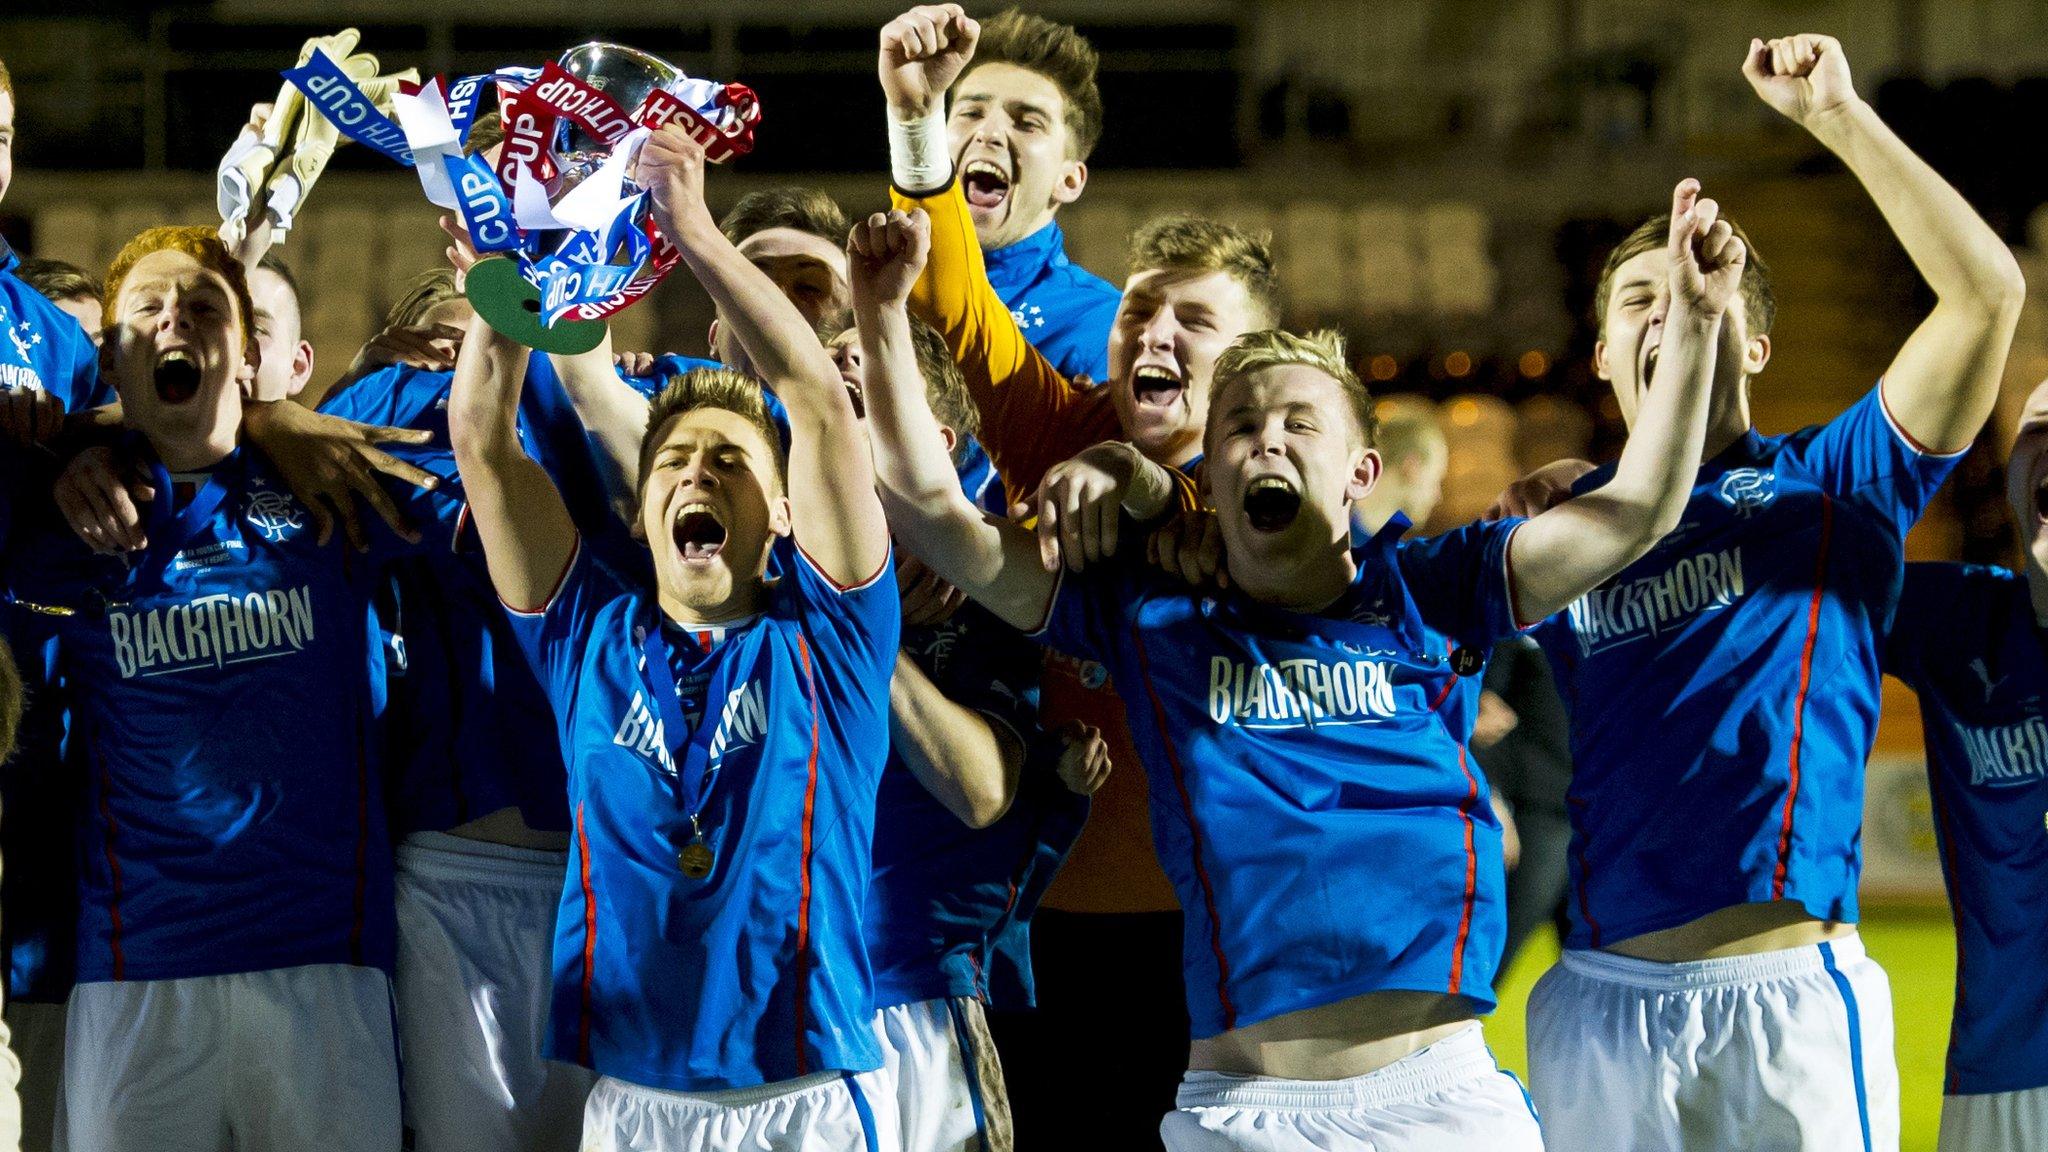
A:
x,y
275,514
1748,490
23,335
2007,755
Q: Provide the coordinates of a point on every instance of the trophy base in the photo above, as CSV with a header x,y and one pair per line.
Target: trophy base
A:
x,y
512,306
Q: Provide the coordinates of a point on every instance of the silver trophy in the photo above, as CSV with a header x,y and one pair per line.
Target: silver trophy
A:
x,y
627,75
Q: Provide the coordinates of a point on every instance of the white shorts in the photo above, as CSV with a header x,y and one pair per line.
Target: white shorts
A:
x,y
1995,1122
826,1112
1785,1049
1449,1097
288,1059
36,1036
948,1081
476,924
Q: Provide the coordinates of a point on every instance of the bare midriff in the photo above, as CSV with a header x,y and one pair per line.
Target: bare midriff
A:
x,y
506,826
1740,930
1335,1041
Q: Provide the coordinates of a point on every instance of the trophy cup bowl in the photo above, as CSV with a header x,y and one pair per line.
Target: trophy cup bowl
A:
x,y
627,75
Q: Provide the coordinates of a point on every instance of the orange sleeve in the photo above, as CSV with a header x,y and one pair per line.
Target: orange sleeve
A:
x,y
1031,416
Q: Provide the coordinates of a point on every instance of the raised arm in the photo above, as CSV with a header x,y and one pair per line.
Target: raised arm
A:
x,y
838,520
614,417
995,562
528,537
1029,412
1567,551
966,761
1941,386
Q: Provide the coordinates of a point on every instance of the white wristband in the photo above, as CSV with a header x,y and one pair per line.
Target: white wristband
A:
x,y
919,159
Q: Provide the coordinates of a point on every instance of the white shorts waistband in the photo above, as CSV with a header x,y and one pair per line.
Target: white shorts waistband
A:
x,y
440,856
1456,1058
725,1098
1722,972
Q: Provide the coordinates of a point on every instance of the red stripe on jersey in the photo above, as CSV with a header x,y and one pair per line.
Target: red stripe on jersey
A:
x,y
589,937
1820,572
803,908
113,861
1187,808
1465,809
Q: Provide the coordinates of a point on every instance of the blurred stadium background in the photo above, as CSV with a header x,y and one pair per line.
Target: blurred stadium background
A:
x,y
1442,178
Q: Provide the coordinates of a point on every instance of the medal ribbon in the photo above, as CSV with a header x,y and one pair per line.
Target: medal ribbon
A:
x,y
690,748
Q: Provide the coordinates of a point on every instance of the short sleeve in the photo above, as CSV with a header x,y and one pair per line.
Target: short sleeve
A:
x,y
439,514
554,634
1081,620
88,389
1461,582
862,622
392,396
1864,457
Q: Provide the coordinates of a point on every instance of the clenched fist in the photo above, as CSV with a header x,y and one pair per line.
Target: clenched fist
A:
x,y
923,51
1802,76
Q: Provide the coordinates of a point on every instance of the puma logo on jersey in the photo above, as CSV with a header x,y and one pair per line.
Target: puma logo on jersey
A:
x,y
1703,582
1299,693
2006,755
1984,674
211,631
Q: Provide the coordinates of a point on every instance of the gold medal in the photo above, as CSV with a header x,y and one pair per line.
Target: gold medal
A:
x,y
696,859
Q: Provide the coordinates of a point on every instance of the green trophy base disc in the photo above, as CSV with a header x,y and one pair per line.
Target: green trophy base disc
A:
x,y
512,306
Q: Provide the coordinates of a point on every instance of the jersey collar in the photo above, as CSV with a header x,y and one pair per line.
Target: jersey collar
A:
x,y
1014,266
8,260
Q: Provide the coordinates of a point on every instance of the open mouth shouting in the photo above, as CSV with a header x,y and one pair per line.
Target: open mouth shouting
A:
x,y
1271,504
1156,388
699,535
2041,499
176,376
1649,366
987,186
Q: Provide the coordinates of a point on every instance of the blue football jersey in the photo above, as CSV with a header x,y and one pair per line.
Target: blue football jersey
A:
x,y
756,972
1323,824
1723,689
234,816
1966,641
945,897
1064,310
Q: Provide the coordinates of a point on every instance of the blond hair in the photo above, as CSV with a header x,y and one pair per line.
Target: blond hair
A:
x,y
423,293
1188,243
199,243
1056,52
1272,348
721,388
6,81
